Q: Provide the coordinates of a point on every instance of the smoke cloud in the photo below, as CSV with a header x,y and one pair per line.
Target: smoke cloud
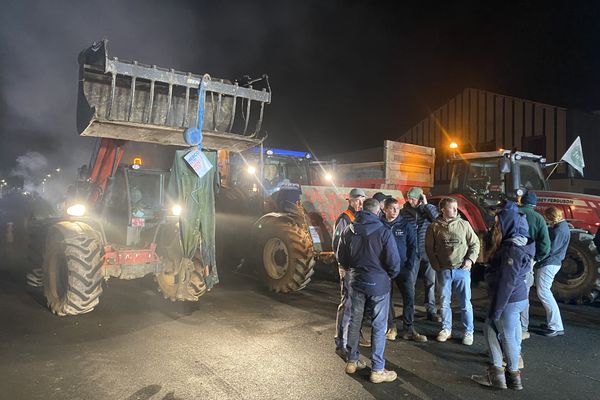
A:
x,y
345,74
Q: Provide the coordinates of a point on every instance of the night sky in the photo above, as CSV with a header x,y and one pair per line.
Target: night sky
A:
x,y
345,75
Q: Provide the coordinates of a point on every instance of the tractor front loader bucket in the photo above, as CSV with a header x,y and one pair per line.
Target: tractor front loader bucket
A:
x,y
132,101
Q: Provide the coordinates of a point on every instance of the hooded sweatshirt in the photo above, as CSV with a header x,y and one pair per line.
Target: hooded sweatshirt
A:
x,y
368,249
405,236
509,266
449,242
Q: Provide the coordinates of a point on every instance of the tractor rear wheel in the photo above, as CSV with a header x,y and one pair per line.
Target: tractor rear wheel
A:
x,y
579,277
287,256
72,272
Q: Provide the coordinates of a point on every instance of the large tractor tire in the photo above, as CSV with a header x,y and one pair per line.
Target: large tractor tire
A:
x,y
286,252
72,270
578,280
177,282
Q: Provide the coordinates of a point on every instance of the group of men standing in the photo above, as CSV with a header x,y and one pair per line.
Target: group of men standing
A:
x,y
378,243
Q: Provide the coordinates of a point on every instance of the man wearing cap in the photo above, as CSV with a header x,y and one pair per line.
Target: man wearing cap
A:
x,y
355,202
538,231
381,198
420,214
368,250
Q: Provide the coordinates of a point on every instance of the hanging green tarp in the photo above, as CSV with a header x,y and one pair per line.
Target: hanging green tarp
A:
x,y
197,197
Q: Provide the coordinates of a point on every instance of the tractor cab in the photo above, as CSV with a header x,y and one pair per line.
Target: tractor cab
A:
x,y
134,205
490,177
487,178
271,178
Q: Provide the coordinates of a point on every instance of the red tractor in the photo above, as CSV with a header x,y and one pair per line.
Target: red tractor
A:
x,y
134,218
481,180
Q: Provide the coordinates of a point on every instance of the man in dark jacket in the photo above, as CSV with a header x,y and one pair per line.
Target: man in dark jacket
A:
x,y
511,251
368,250
346,218
420,214
405,236
538,231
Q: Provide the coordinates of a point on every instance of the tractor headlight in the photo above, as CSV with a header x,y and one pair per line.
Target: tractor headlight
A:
x,y
176,210
76,210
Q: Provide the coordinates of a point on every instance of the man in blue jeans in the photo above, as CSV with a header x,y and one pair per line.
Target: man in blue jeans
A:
x,y
420,214
355,199
368,250
452,248
405,236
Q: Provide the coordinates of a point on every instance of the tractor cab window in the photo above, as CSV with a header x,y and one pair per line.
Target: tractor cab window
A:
x,y
278,171
531,175
145,191
479,179
297,171
273,174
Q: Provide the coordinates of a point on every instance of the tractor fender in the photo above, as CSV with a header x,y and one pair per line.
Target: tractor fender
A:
x,y
270,218
73,228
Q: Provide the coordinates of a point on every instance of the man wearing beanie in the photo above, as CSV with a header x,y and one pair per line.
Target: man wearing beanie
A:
x,y
420,214
538,231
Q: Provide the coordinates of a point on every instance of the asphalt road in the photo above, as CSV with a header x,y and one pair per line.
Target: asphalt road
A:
x,y
240,342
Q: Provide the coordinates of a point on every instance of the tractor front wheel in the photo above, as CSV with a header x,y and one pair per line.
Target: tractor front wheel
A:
x,y
72,272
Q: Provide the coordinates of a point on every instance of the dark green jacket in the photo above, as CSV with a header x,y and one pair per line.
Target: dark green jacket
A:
x,y
538,230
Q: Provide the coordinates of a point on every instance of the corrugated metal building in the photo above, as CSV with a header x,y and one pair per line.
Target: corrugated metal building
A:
x,y
483,121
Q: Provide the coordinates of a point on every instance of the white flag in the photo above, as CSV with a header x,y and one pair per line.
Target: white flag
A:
x,y
574,156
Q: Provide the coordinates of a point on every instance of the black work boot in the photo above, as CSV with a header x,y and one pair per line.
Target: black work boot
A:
x,y
493,378
513,380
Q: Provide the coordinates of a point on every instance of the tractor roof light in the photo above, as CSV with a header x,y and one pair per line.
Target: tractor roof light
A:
x,y
137,163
